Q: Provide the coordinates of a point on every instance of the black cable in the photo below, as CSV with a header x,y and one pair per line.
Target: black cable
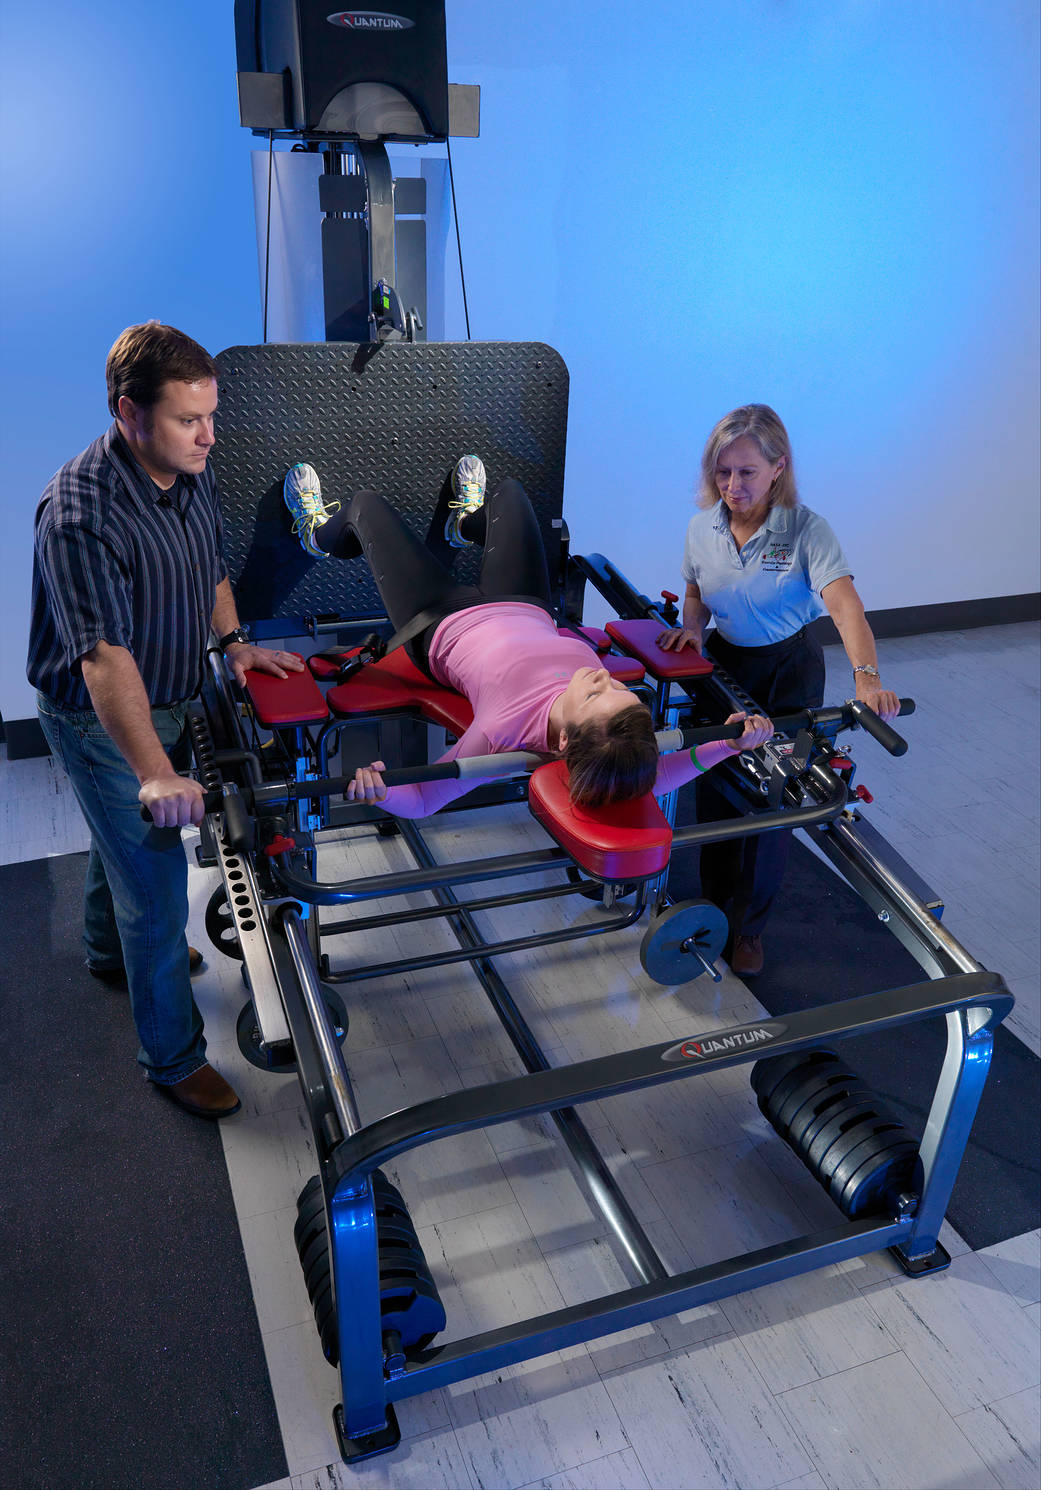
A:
x,y
458,241
267,239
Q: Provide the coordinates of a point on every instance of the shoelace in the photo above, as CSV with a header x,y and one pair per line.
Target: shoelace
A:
x,y
313,508
470,497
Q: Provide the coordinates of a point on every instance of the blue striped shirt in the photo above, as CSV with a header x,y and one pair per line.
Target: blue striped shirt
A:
x,y
118,560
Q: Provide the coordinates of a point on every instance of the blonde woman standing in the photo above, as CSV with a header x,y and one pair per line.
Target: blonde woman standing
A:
x,y
762,566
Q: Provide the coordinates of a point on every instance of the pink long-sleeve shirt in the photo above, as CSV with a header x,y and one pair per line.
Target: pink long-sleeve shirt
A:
x,y
511,662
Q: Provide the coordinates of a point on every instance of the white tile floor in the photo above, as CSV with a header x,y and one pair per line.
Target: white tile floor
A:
x,y
851,1376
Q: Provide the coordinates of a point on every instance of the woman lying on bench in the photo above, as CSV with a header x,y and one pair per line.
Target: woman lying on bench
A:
x,y
530,686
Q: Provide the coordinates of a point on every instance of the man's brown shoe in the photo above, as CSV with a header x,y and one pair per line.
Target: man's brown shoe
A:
x,y
747,956
116,977
204,1094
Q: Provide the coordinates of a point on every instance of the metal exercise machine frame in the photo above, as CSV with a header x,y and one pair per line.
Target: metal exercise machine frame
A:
x,y
374,1373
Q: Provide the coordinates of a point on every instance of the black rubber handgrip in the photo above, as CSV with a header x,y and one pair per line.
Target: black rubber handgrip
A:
x,y
238,825
886,736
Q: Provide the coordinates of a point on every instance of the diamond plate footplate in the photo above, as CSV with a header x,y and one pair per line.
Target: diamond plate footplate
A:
x,y
394,418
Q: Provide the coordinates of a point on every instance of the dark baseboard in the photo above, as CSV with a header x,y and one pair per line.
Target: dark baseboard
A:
x,y
24,737
952,615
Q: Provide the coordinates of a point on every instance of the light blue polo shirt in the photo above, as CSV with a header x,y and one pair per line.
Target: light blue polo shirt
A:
x,y
771,588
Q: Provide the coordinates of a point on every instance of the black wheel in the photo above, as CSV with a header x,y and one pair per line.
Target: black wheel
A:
x,y
667,951
283,1058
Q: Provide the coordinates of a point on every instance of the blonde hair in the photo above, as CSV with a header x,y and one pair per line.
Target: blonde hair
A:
x,y
762,425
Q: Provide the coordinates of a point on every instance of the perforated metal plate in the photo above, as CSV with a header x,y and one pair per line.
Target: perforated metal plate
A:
x,y
394,418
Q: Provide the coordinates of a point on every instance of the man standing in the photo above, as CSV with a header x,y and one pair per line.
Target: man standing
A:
x,y
128,580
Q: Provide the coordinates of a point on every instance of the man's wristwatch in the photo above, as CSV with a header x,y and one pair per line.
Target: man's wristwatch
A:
x,y
863,667
240,634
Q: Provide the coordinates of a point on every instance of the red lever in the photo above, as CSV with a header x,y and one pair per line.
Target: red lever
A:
x,y
668,595
862,793
279,845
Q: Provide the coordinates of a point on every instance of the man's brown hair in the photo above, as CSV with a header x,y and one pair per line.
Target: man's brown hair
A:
x,y
145,357
612,760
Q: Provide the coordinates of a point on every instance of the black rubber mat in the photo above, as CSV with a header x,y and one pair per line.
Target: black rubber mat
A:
x,y
133,1358
824,944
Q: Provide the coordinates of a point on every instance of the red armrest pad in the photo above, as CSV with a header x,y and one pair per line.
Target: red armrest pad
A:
x,y
625,841
591,634
638,639
625,669
395,684
294,699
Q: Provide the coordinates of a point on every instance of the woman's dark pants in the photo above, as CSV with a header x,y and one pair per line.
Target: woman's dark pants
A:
x,y
742,876
411,578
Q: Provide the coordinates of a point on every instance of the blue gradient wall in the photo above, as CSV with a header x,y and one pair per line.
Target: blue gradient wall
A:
x,y
828,205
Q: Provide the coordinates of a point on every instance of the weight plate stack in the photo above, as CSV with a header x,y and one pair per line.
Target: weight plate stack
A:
x,y
844,1134
409,1301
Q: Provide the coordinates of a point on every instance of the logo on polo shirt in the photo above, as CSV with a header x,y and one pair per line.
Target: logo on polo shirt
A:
x,y
369,20
778,557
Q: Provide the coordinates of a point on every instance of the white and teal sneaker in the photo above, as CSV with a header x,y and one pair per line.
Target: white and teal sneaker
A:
x,y
303,497
468,483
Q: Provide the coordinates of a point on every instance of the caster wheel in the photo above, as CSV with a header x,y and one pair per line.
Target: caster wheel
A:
x,y
679,937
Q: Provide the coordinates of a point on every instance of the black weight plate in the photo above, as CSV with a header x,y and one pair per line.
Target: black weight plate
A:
x,y
804,1080
855,1134
838,1124
311,1231
317,1278
317,1247
310,1190
804,1106
881,1137
405,1258
794,1080
394,1240
391,1210
383,1189
812,1122
883,1176
416,1314
400,1229
662,951
220,924
328,1326
765,1074
309,1221
812,1116
279,1058
798,1088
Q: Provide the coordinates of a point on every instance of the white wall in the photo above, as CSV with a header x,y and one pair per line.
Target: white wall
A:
x,y
827,205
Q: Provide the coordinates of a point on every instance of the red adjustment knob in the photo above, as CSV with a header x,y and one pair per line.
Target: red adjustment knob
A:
x,y
840,763
279,845
862,794
668,595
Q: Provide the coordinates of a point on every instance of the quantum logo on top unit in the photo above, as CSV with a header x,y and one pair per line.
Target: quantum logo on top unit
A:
x,y
724,1042
369,20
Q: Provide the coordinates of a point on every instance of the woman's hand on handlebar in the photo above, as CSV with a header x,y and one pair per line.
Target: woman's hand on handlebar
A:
x,y
757,730
678,638
367,785
883,700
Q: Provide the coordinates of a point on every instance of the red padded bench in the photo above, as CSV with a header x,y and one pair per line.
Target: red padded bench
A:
x,y
625,841
280,703
638,639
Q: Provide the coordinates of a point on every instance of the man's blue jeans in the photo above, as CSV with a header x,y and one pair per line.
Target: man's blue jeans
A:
x,y
136,901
